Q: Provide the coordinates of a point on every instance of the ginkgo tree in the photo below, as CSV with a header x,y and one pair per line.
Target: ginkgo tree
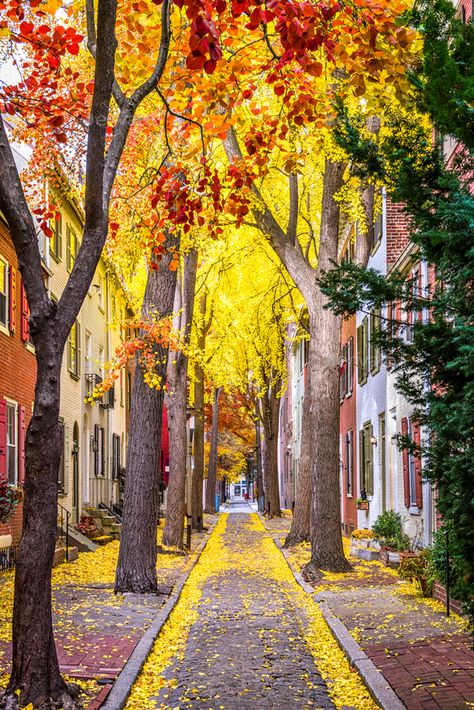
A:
x,y
281,171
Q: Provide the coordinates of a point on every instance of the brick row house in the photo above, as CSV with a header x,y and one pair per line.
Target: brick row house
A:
x,y
16,393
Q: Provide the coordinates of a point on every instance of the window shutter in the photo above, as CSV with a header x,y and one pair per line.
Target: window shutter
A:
x,y
21,444
12,298
25,315
102,452
370,460
69,351
96,452
3,438
78,349
359,355
68,248
406,470
361,461
59,237
350,365
61,470
418,469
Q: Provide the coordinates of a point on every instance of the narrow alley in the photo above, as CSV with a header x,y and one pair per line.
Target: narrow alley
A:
x,y
240,637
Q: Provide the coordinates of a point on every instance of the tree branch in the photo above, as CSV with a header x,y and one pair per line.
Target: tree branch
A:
x,y
293,212
290,254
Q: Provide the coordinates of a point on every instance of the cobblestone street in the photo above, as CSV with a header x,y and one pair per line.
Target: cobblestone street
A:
x,y
247,648
247,644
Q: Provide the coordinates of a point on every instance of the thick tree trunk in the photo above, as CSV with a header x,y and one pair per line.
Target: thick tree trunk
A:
x,y
176,401
35,668
198,472
212,465
136,568
323,368
270,410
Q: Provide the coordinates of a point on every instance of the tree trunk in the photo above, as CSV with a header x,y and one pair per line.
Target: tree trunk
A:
x,y
176,401
270,410
323,368
260,490
212,465
35,667
198,472
136,568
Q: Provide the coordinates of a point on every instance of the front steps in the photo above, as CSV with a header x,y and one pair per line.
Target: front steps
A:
x,y
105,521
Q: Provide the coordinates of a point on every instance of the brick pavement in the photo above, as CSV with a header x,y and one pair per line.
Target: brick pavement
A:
x,y
96,631
427,658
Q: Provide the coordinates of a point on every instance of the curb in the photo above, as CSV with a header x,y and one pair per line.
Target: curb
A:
x,y
374,681
122,687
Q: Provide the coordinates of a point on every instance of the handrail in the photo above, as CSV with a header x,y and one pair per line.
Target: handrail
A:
x,y
64,513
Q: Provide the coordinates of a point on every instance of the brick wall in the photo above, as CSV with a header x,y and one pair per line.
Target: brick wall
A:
x,y
439,593
17,365
397,231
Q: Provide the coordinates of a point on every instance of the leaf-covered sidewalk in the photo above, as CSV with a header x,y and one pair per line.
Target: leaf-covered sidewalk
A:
x,y
426,657
244,634
95,630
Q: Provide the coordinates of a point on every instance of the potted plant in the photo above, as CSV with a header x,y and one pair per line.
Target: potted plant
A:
x,y
393,541
362,504
415,569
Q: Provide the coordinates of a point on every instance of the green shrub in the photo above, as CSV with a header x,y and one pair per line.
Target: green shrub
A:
x,y
388,531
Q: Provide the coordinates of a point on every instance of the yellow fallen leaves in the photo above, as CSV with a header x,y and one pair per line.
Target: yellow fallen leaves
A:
x,y
344,685
171,642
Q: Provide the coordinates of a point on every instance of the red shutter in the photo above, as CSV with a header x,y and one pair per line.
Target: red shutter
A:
x,y
3,438
25,315
418,476
21,444
12,298
406,470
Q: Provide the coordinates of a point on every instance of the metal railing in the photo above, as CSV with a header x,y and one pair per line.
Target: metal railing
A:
x,y
63,528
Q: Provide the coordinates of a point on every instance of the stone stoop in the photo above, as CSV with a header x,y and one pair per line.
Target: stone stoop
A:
x,y
105,521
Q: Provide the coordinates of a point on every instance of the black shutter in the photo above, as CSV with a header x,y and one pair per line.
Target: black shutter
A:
x,y
96,449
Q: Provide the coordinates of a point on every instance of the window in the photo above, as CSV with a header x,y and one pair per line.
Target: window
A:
x,y
12,444
62,466
349,463
56,241
362,364
74,350
366,472
72,247
3,293
346,368
375,352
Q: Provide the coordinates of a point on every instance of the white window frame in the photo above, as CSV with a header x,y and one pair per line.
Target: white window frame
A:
x,y
12,406
4,326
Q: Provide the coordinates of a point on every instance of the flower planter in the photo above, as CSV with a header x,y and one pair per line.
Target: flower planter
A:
x,y
363,505
390,558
